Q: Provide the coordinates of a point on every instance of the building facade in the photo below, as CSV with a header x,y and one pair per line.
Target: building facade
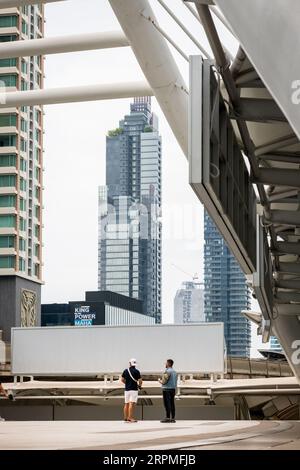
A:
x,y
189,303
98,308
129,225
226,292
21,163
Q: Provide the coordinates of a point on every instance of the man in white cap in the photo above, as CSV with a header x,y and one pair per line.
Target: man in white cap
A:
x,y
132,379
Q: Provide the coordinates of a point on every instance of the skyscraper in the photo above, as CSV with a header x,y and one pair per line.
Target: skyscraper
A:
x,y
189,303
274,344
129,204
21,143
226,293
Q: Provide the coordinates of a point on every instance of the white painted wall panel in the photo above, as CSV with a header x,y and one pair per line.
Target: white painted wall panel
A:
x,y
103,349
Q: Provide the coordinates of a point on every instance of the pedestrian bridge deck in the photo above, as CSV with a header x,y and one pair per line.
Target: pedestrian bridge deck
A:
x,y
149,435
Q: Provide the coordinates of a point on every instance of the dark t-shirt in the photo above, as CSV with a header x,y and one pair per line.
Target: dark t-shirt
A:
x,y
129,383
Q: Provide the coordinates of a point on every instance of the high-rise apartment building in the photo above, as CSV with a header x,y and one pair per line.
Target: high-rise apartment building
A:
x,y
129,206
226,292
21,160
189,303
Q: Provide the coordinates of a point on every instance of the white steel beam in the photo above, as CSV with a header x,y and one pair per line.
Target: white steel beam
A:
x,y
288,284
288,310
284,217
186,30
157,63
279,176
195,14
75,94
289,268
61,44
287,248
257,29
20,3
276,144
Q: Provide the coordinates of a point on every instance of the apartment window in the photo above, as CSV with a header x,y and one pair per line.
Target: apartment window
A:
x,y
7,201
7,241
8,62
8,38
22,244
9,80
23,145
21,264
22,224
7,262
25,10
38,78
8,140
7,120
37,211
37,173
36,250
37,155
37,192
7,181
7,221
22,184
24,67
38,116
23,165
37,231
8,21
23,125
24,85
36,270
8,160
24,27
37,134
22,204
39,23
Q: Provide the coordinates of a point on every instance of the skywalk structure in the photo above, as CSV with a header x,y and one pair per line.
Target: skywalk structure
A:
x,y
238,123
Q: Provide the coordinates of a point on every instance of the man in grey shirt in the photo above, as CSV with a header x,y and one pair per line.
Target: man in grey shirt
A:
x,y
169,385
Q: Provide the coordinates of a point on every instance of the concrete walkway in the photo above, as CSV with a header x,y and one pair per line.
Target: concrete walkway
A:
x,y
113,435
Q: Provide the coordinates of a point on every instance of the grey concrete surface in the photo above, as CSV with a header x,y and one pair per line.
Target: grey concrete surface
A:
x,y
112,435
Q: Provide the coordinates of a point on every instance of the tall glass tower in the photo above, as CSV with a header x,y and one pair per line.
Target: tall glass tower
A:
x,y
274,344
129,206
21,162
226,293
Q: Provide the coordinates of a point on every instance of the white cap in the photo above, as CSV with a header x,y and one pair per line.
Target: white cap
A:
x,y
132,362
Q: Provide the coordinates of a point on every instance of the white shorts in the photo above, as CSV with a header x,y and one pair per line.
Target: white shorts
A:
x,y
131,396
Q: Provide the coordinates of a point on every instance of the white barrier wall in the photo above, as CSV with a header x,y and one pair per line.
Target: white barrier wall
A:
x,y
104,350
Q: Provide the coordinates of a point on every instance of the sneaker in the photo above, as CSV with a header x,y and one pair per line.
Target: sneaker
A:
x,y
1,419
166,420
172,420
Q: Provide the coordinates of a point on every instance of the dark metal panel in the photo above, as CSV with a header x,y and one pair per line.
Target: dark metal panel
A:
x,y
224,184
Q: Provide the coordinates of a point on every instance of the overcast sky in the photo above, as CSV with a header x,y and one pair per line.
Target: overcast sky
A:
x,y
74,158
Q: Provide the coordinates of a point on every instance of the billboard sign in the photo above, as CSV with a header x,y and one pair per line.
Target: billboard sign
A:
x,y
218,173
83,316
